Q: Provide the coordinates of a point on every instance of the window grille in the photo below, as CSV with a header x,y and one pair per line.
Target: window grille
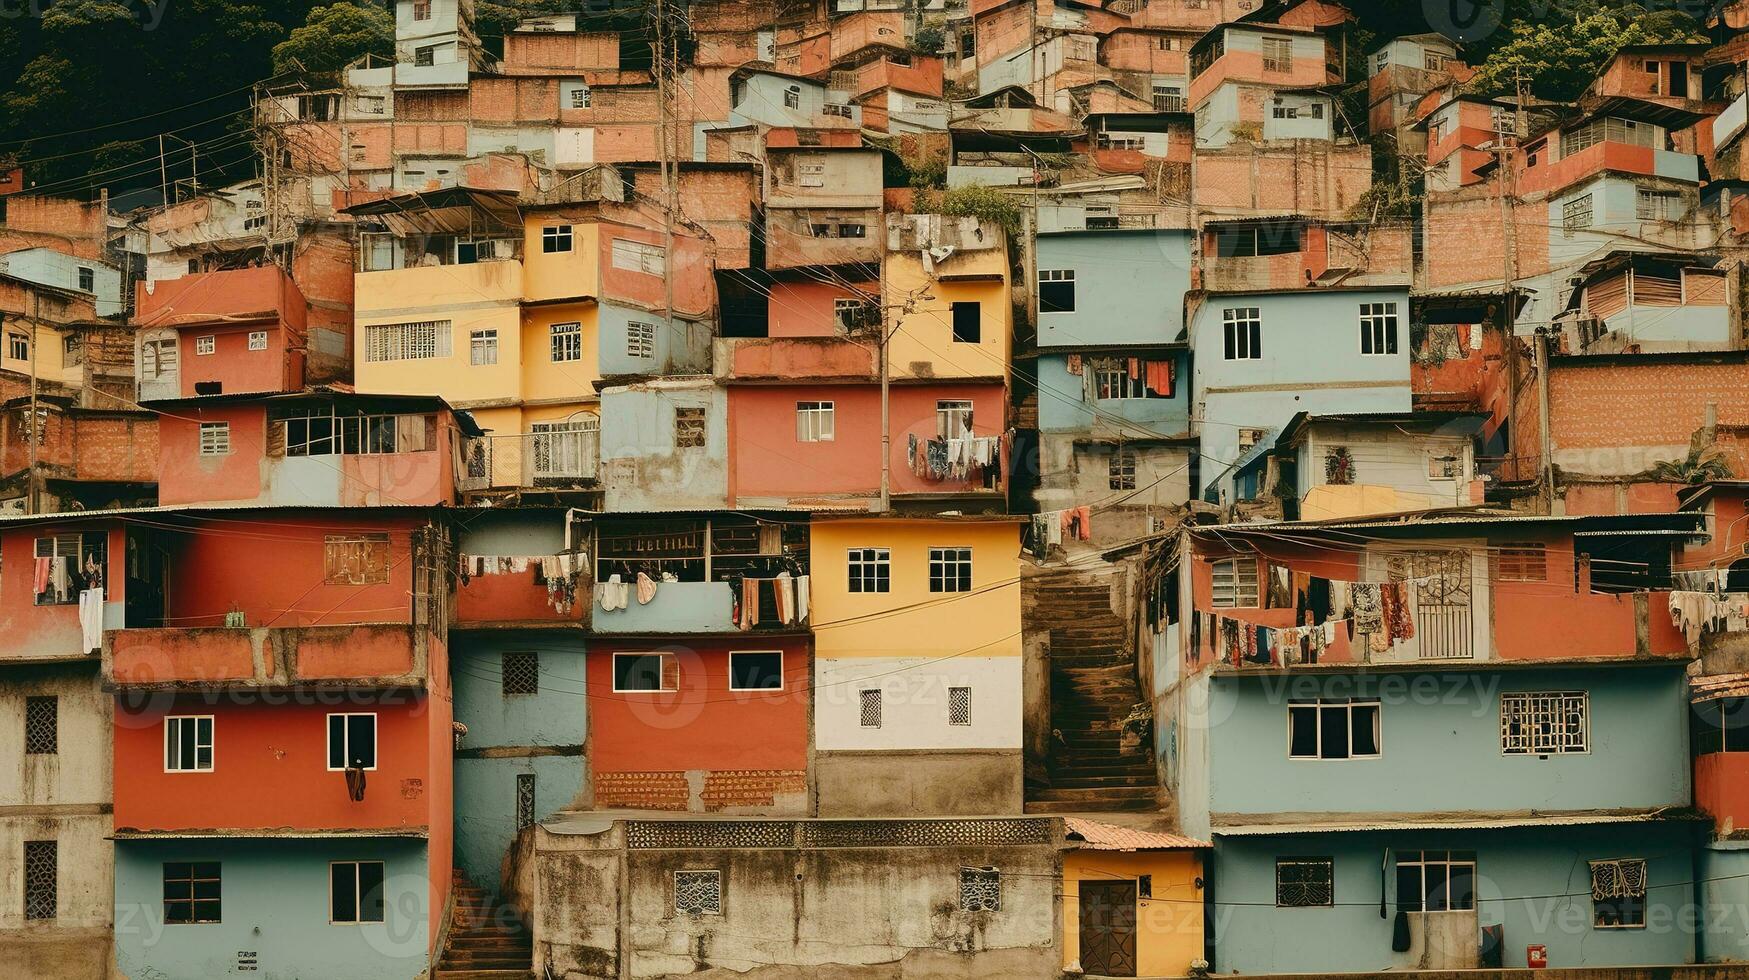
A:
x,y
1235,583
567,341
519,673
191,892
689,428
1378,328
1618,893
698,892
361,559
422,340
215,438
870,715
980,890
1544,722
640,339
40,899
41,725
959,706
1121,468
524,800
1278,54
1305,882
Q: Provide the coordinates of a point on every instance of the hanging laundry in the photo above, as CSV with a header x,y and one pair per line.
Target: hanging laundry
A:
x,y
802,598
41,580
1363,599
91,619
1160,377
1134,367
1389,599
613,593
1400,623
1073,363
646,589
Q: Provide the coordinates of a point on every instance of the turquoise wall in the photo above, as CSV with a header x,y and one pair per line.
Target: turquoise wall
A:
x,y
275,904
1129,286
1533,881
1441,744
1061,407
554,721
1724,894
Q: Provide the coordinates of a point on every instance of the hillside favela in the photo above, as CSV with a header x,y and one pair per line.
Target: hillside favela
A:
x,y
1289,513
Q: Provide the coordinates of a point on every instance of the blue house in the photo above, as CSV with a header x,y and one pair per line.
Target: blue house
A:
x,y
1262,357
1113,370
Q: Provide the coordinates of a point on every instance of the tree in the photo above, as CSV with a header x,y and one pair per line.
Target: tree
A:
x,y
1557,60
334,36
1704,462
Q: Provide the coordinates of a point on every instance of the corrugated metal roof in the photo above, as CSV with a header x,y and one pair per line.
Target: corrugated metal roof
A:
x,y
1095,836
1455,823
1718,686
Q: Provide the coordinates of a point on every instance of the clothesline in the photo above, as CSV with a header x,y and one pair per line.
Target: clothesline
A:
x,y
559,573
1385,613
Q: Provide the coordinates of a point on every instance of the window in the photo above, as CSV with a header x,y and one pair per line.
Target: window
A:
x,y
1576,214
1657,205
689,428
482,347
555,238
645,672
87,279
17,347
1618,894
368,105
355,559
1278,54
1378,328
869,709
355,891
813,175
158,358
792,97
406,341
519,673
967,322
953,419
425,57
257,340
1235,583
635,256
870,569
567,341
41,879
76,563
1433,61
640,339
835,109
1116,383
524,800
1543,722
855,314
1056,290
1120,467
1305,882
980,890
852,230
326,431
698,892
1333,728
950,569
1243,328
421,9
815,422
580,98
1521,563
760,670
352,741
188,743
1281,110
959,706
1168,98
41,725
206,345
1436,881
215,438
191,892
1245,241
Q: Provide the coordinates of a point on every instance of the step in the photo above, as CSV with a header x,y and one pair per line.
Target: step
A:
x,y
505,940
1103,792
1137,780
1082,806
444,973
521,961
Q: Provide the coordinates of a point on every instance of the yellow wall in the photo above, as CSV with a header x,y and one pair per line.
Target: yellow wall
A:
x,y
1169,926
544,380
560,275
926,334
49,350
984,622
481,296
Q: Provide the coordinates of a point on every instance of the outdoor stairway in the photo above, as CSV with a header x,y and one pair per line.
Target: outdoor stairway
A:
x,y
487,940
1093,688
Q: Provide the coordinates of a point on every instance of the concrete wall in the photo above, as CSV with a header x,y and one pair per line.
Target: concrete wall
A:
x,y
275,905
1533,881
1129,286
1388,465
1723,871
48,267
640,465
1063,406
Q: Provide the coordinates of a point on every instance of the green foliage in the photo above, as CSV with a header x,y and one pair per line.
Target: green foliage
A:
x,y
984,203
1704,462
334,36
1557,59
929,39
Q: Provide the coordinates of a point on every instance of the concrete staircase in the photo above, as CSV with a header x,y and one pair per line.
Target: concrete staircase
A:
x,y
1093,688
487,940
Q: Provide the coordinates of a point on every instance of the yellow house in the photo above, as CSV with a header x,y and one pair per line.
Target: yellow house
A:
x,y
950,304
1132,901
494,308
917,655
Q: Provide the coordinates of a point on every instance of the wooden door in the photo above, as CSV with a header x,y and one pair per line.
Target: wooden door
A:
x,y
1108,928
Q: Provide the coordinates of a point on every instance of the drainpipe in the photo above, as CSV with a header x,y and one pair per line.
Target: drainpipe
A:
x,y
1542,419
886,413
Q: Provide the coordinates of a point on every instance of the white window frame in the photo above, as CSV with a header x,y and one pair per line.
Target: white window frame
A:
x,y
946,561
1242,333
632,255
1278,54
640,339
158,357
358,918
482,348
1318,707
816,422
174,722
1233,583
1058,275
1378,330
1115,384
215,439
346,738
580,97
662,672
782,678
257,340
565,341
1447,862
1643,895
1544,707
555,239
949,411
206,344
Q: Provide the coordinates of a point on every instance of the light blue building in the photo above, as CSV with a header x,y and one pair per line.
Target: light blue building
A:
x,y
47,267
1263,356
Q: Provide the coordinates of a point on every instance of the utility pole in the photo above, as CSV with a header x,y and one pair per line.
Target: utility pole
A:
x,y
886,409
36,426
668,166
163,174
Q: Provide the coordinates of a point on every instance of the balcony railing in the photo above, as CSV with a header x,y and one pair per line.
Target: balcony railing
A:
x,y
374,654
565,454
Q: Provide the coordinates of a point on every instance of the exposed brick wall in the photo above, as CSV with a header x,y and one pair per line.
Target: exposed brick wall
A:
x,y
641,791
729,789
1465,238
1606,418
1309,177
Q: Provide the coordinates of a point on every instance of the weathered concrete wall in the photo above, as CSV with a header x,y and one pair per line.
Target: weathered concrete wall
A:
x,y
926,781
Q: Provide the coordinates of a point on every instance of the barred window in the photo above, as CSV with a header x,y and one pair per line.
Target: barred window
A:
x,y
40,874
208,344
257,340
959,706
483,347
980,890
698,892
355,559
18,346
1657,205
1618,894
869,708
1576,214
640,339
191,892
1544,722
1378,328
519,673
1305,882
950,569
580,98
422,340
1121,468
215,438
41,725
689,428
567,341
870,569
524,800
1235,583
855,314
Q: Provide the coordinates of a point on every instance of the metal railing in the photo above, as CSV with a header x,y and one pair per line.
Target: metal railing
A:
x,y
566,453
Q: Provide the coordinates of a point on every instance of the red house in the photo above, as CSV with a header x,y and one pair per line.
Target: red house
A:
x,y
213,333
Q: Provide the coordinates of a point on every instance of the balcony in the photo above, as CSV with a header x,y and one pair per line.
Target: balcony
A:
x,y
704,562
367,654
812,359
689,607
555,458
